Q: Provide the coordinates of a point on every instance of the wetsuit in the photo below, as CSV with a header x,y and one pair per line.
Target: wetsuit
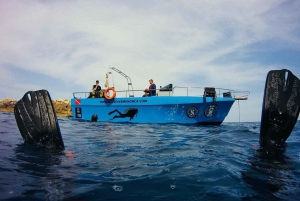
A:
x,y
97,90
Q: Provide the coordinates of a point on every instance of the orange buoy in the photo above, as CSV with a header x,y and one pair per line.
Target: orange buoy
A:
x,y
110,97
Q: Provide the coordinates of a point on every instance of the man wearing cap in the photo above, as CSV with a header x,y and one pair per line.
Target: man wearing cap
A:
x,y
97,88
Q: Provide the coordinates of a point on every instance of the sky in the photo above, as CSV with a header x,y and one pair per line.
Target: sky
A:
x,y
64,46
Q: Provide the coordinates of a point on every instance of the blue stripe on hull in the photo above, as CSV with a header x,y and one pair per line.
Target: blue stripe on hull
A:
x,y
164,109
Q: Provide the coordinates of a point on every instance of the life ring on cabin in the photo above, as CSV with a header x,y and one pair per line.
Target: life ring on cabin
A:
x,y
110,97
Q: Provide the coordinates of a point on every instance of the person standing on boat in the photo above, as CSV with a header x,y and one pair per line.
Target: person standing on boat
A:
x,y
151,91
97,89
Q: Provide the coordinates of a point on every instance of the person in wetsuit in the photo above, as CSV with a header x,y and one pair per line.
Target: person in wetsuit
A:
x,y
97,89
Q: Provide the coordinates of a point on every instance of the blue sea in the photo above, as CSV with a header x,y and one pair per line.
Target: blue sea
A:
x,y
124,161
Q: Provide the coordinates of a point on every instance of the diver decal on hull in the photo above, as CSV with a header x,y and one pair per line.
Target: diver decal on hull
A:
x,y
210,110
192,112
127,113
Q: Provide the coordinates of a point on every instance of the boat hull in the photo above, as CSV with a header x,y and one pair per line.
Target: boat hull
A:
x,y
168,109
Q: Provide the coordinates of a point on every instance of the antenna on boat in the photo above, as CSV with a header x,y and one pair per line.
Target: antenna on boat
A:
x,y
239,111
244,96
130,92
107,81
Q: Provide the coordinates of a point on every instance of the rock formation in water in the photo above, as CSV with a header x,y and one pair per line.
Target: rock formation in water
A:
x,y
62,106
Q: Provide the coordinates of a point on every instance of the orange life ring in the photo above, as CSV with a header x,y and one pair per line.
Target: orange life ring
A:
x,y
110,97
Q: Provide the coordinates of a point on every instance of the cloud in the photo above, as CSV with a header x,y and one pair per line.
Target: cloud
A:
x,y
212,43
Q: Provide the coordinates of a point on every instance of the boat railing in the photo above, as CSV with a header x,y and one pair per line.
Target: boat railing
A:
x,y
120,93
220,92
181,91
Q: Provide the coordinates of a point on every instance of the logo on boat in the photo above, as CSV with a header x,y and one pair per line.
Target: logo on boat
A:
x,y
192,112
130,112
210,110
78,112
77,102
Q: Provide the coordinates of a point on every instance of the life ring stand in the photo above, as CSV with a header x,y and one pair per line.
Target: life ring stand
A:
x,y
110,97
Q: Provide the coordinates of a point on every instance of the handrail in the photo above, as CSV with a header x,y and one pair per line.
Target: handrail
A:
x,y
129,83
245,93
237,95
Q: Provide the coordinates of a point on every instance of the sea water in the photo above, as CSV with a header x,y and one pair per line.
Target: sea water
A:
x,y
125,161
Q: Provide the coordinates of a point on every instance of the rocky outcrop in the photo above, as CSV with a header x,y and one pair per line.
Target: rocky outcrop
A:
x,y
7,105
62,106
